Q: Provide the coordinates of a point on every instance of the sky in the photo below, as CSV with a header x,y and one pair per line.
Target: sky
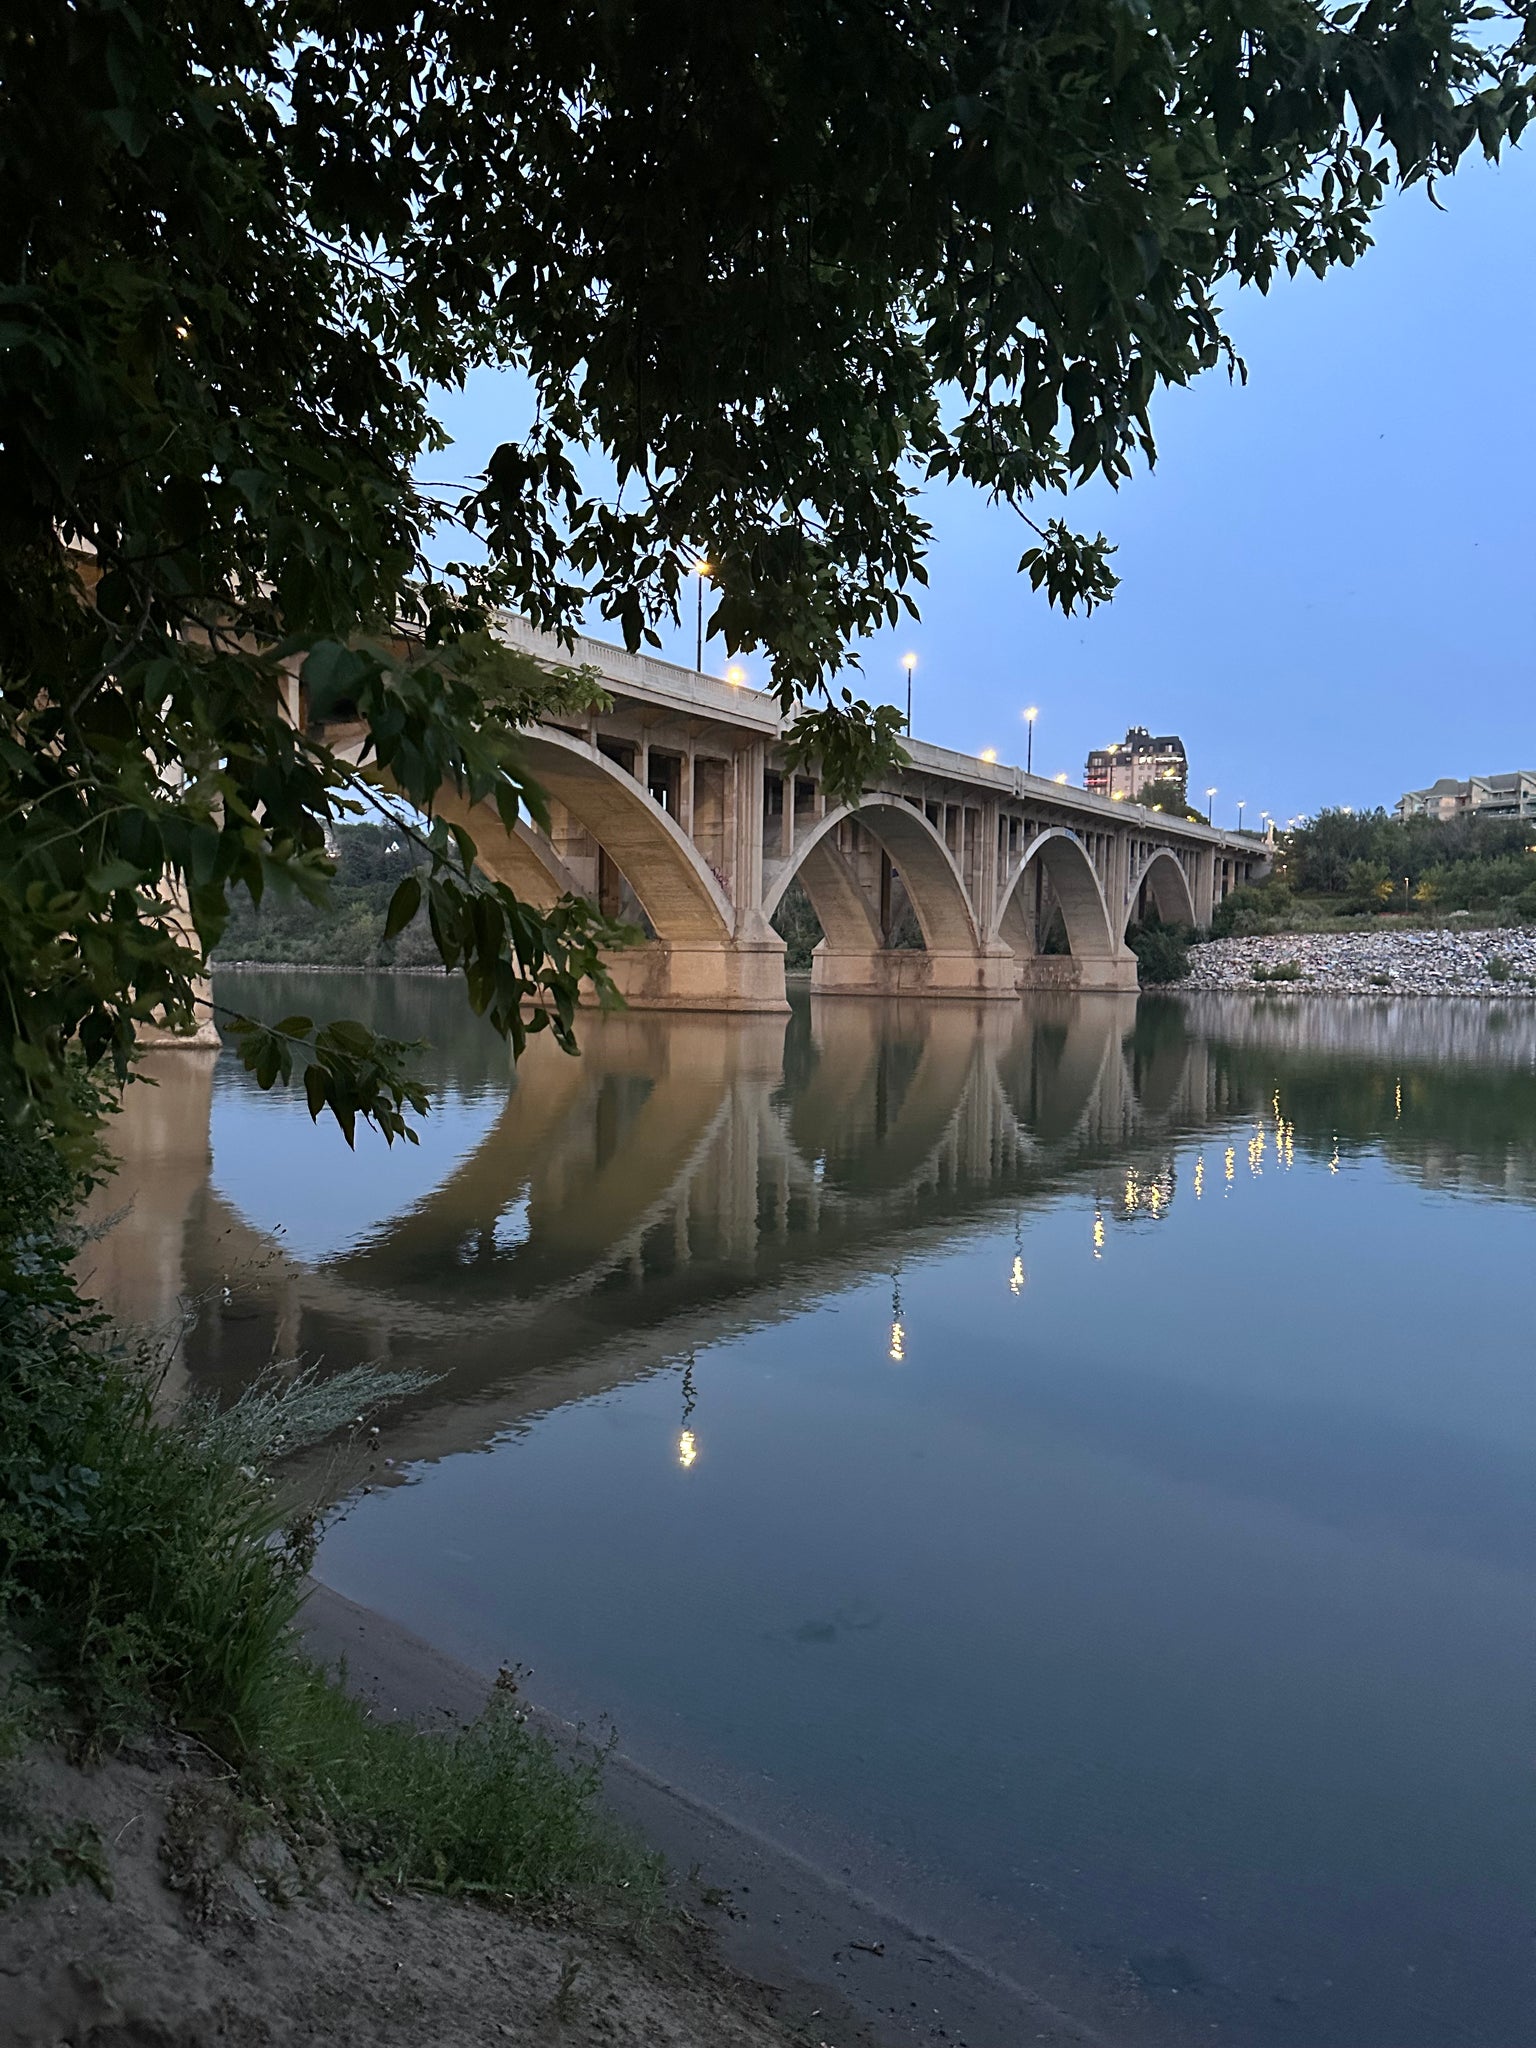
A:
x,y
1328,583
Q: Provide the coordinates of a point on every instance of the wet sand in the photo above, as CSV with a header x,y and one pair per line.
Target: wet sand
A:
x,y
839,1959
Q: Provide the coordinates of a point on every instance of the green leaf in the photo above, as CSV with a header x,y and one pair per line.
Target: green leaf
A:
x,y
403,906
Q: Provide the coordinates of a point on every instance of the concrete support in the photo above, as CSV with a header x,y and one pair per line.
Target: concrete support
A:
x,y
740,975
989,974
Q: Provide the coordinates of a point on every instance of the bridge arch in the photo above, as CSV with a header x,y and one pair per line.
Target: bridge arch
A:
x,y
1062,856
1167,887
933,882
676,887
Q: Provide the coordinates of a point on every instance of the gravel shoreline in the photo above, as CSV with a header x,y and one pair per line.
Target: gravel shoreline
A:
x,y
1444,963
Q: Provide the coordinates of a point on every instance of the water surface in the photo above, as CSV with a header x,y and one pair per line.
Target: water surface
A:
x,y
1069,1465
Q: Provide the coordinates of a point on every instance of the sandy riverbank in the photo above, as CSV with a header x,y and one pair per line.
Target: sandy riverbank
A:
x,y
1403,963
192,1923
841,1968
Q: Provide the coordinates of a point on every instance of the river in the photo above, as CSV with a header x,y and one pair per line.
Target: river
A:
x,y
1067,1466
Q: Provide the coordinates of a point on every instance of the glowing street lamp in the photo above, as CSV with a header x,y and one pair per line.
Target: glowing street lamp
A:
x,y
1029,745
703,570
1242,805
987,754
1210,802
735,675
909,662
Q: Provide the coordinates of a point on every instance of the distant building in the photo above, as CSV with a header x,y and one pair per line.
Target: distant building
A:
x,y
1481,796
1125,768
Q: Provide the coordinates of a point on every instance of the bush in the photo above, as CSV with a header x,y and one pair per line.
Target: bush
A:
x,y
147,1576
1255,908
1287,970
1499,968
1162,953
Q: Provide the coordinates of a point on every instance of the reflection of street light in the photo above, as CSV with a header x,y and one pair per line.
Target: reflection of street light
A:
x,y
1029,745
703,570
898,1351
687,1442
909,662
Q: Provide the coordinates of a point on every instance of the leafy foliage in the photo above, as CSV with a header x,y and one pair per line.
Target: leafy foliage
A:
x,y
1370,861
1168,795
799,927
1162,953
147,1577
736,254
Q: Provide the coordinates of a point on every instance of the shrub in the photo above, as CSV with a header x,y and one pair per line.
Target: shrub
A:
x,y
1380,980
1287,970
1255,908
146,1575
1499,968
1162,953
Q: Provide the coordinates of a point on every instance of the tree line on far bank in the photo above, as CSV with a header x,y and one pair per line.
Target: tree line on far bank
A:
x,y
1369,864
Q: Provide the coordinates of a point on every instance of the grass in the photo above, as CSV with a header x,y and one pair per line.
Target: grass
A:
x,y
492,1809
149,1579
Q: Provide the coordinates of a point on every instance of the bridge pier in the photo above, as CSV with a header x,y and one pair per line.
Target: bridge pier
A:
x,y
990,974
1115,975
743,975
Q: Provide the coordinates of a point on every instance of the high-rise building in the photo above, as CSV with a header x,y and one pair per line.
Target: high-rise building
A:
x,y
1124,768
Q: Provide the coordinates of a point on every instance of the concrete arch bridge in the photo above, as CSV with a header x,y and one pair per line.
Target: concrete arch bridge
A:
x,y
677,808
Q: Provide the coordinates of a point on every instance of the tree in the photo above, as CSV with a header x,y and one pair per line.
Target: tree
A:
x,y
737,255
1168,795
1162,953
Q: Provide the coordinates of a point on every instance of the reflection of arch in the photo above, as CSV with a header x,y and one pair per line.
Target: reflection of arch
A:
x,y
933,882
1064,859
1166,885
1054,1070
887,1082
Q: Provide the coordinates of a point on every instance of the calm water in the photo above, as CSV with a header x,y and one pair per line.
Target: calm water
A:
x,y
1070,1466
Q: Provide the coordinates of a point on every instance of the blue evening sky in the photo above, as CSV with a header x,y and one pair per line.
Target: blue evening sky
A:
x,y
1326,584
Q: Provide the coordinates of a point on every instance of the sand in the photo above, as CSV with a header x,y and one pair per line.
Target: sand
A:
x,y
215,1933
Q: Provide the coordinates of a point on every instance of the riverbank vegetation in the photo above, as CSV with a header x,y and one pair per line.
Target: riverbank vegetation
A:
x,y
151,1569
1354,870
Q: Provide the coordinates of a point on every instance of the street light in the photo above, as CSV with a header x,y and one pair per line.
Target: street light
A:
x,y
703,570
1242,805
1029,722
1210,803
909,662
735,675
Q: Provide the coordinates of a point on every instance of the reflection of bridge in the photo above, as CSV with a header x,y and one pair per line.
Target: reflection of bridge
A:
x,y
678,807
686,1177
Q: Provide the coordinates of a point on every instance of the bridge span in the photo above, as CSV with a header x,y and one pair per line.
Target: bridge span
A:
x,y
678,810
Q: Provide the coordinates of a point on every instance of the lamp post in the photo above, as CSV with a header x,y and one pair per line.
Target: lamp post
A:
x,y
1242,805
909,662
702,570
1029,745
1210,804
